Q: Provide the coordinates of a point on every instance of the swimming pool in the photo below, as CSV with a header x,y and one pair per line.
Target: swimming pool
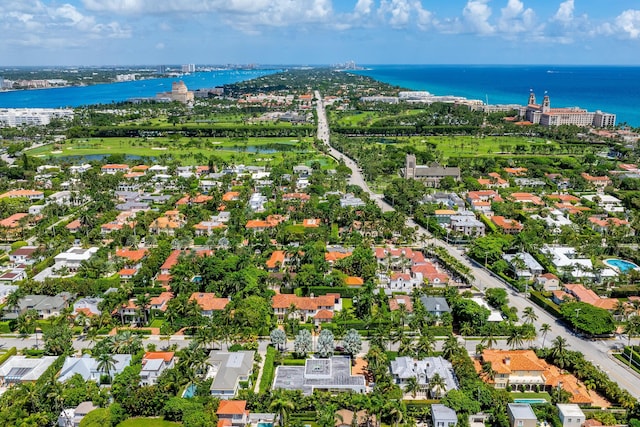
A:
x,y
621,265
531,401
189,391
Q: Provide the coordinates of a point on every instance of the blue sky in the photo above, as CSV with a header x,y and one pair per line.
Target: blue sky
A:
x,y
123,32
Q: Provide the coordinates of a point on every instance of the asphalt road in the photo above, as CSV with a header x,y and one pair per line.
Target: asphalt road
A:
x,y
598,352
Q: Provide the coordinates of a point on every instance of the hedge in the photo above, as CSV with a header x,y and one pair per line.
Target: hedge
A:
x,y
268,370
291,362
11,352
5,328
544,303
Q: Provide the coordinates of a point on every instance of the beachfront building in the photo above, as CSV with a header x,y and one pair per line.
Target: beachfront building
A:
x,y
546,116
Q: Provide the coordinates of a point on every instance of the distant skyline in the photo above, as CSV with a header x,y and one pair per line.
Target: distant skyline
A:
x,y
130,32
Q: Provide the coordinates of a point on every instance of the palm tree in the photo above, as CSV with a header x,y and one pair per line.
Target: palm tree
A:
x,y
559,351
327,415
632,328
426,344
544,329
516,338
143,302
487,371
529,315
282,405
489,340
106,363
412,386
451,347
437,385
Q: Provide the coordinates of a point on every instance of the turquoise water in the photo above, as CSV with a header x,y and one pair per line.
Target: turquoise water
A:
x,y
265,424
190,391
621,264
118,92
531,401
607,88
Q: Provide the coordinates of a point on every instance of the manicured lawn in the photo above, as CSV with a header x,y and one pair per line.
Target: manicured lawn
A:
x,y
156,323
191,151
147,422
543,395
347,303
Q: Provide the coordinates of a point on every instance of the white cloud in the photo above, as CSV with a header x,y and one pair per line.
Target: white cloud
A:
x,y
476,16
628,23
363,7
514,18
160,46
565,12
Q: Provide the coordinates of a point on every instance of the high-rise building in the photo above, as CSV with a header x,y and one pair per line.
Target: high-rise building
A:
x,y
189,68
162,69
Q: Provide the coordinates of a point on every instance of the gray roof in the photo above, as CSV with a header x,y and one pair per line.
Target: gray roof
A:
x,y
152,365
528,260
521,411
228,367
423,370
87,367
442,412
435,304
331,373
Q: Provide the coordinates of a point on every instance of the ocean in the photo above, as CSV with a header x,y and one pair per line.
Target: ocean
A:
x,y
116,92
607,88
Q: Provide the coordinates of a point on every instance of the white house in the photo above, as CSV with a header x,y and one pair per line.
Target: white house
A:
x,y
154,363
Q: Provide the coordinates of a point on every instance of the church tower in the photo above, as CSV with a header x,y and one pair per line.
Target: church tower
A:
x,y
410,166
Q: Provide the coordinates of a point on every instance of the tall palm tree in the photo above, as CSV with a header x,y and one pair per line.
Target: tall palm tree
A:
x,y
412,386
487,371
632,328
451,347
529,315
143,302
559,351
426,344
437,385
516,338
544,330
106,363
327,415
489,340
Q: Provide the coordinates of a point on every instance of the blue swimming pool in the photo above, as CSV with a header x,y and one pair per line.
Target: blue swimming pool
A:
x,y
530,401
189,391
265,425
621,265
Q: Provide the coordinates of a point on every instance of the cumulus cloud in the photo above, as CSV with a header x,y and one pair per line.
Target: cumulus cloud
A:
x,y
565,11
514,18
628,24
476,16
363,7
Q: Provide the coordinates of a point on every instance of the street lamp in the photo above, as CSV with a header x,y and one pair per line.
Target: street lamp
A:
x,y
576,324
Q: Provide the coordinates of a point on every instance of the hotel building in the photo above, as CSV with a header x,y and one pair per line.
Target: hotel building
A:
x,y
546,116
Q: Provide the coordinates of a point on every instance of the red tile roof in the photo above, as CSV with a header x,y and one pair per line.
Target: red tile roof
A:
x,y
164,355
208,301
232,407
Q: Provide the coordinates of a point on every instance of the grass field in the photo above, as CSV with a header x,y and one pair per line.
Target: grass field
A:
x,y
188,151
147,422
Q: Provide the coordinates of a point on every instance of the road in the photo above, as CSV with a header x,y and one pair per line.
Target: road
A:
x,y
598,352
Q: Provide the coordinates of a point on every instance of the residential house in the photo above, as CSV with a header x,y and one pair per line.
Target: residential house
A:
x,y
229,369
588,296
599,182
154,363
548,281
401,301
74,226
566,260
88,306
319,308
113,169
523,265
301,197
87,367
24,369
5,291
603,224
351,201
258,225
523,370
516,171
31,195
443,416
450,200
430,175
508,226
276,261
13,276
521,415
209,303
302,171
168,223
435,306
72,259
494,181
607,202
198,199
232,413
526,198
423,370
257,202
570,415
73,417
46,306
332,375
467,225
311,223
207,228
23,255
554,220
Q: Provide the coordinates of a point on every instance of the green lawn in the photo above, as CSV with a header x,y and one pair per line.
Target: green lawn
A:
x,y
148,422
191,151
543,395
347,303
